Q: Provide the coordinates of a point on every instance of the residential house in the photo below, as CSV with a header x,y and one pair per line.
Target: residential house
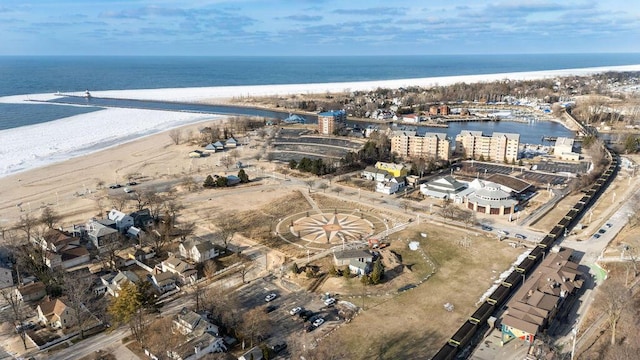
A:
x,y
218,146
142,219
390,185
133,254
55,313
115,282
101,232
230,143
164,282
255,353
372,173
189,323
54,240
198,347
31,292
395,170
198,250
6,276
210,148
186,272
67,257
122,220
344,257
359,266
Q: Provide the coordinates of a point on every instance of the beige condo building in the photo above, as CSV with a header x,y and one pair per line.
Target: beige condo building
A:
x,y
498,147
408,144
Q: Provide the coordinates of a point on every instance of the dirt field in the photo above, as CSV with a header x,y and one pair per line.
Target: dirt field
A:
x,y
415,324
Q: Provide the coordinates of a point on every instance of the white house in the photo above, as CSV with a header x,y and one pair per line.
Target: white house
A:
x,y
122,220
165,281
390,185
197,250
114,283
190,323
198,347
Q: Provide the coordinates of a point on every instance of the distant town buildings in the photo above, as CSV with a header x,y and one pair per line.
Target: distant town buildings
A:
x,y
331,121
408,144
498,147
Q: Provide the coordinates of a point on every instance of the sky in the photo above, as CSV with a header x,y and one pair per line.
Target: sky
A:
x,y
317,27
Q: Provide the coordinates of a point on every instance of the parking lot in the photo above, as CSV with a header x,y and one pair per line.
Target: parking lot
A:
x,y
286,327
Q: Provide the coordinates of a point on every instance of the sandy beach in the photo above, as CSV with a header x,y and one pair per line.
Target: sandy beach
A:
x,y
71,186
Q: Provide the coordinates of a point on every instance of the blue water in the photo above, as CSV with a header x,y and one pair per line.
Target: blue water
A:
x,y
28,75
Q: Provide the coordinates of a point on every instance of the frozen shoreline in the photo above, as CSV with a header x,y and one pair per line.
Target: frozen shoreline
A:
x,y
34,146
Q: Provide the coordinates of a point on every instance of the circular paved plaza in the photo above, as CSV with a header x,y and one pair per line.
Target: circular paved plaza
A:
x,y
334,227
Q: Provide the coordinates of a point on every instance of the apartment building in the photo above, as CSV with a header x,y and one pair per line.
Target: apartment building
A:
x,y
409,144
330,121
498,147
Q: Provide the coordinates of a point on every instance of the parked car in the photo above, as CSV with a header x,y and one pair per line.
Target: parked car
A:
x,y
279,347
295,310
330,301
487,228
305,314
270,297
310,328
609,225
597,236
520,236
115,186
503,232
127,190
602,231
131,183
318,322
270,308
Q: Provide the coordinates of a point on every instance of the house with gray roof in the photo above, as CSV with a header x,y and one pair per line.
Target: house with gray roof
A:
x,y
114,283
446,187
186,272
344,257
99,233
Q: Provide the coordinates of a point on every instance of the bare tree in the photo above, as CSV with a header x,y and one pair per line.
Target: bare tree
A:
x,y
49,217
161,337
323,186
176,136
109,251
77,288
226,161
27,224
310,183
189,183
19,313
227,225
119,201
210,268
255,325
613,299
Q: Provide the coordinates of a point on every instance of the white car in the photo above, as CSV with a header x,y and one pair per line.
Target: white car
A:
x,y
295,310
330,301
318,322
270,297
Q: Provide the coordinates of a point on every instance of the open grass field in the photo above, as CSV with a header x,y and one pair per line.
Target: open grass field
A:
x,y
414,324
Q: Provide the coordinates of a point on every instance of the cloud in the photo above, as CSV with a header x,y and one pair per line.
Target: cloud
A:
x,y
303,18
374,11
145,12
